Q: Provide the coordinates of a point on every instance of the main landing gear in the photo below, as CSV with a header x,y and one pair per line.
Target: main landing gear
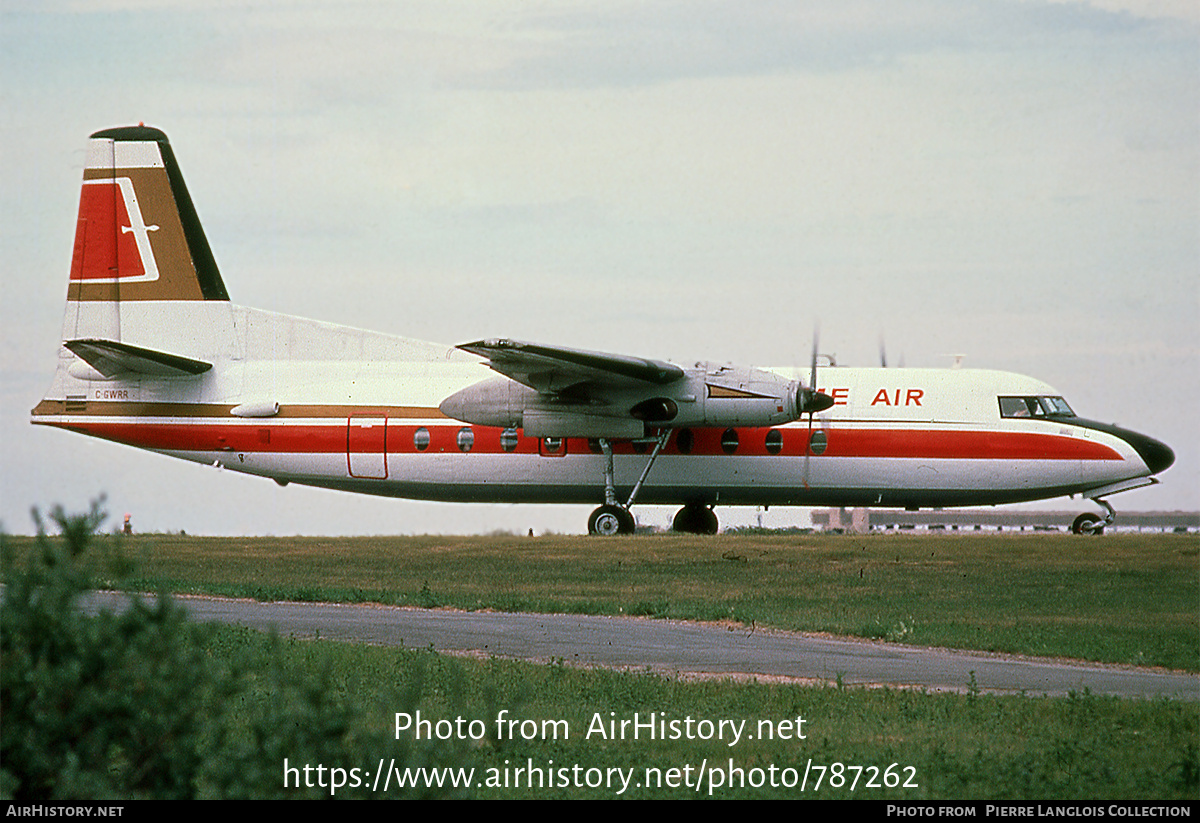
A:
x,y
1088,523
615,518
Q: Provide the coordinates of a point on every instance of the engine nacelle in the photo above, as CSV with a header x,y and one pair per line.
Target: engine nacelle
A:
x,y
507,404
740,396
707,395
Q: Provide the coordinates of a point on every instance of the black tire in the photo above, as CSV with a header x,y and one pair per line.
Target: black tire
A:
x,y
695,519
628,523
1087,524
610,520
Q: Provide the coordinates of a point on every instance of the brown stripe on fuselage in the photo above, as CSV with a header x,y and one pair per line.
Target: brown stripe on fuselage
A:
x,y
118,408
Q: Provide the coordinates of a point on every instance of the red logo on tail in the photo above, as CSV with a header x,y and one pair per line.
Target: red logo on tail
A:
x,y
112,240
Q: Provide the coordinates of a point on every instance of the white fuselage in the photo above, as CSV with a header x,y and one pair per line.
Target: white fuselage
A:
x,y
358,410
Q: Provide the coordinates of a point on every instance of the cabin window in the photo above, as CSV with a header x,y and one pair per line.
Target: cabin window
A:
x,y
684,441
729,441
774,441
466,439
818,442
421,439
509,439
552,446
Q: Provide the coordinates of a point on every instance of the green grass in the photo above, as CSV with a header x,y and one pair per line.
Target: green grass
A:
x,y
1120,598
959,746
1132,594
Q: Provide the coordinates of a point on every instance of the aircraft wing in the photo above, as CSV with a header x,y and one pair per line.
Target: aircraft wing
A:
x,y
555,369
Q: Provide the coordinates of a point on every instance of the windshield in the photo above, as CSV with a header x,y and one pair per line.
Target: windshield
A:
x,y
1034,407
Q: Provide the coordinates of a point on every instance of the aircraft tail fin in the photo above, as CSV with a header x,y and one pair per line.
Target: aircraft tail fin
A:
x,y
138,236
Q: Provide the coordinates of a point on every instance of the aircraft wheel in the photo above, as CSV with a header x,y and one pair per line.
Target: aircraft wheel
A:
x,y
609,520
684,521
695,520
1087,524
628,523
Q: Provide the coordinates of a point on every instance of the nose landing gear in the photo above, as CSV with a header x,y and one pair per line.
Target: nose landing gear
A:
x,y
1088,523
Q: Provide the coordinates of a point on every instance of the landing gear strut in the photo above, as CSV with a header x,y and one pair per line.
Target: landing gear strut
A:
x,y
1088,523
613,517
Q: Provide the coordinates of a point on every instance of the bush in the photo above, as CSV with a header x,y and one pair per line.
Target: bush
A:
x,y
140,704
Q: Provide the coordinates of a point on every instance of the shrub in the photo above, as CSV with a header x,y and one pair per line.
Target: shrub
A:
x,y
138,704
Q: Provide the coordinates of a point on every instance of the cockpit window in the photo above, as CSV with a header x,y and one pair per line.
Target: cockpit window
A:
x,y
1017,407
1056,405
1034,407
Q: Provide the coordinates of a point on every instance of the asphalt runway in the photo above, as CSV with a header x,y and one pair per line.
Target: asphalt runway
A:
x,y
673,646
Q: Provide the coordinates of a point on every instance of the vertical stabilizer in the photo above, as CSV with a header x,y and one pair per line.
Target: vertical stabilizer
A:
x,y
137,236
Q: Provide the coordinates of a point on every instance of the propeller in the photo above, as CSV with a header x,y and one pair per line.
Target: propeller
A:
x,y
883,361
809,400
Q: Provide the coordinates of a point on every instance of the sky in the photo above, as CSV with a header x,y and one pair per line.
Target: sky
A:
x,y
1014,181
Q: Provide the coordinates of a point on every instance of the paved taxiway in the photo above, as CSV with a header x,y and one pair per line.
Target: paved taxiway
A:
x,y
673,646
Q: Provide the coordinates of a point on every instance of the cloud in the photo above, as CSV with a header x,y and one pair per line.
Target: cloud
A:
x,y
1177,10
642,44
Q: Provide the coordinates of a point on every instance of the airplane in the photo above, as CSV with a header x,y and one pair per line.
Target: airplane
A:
x,y
155,355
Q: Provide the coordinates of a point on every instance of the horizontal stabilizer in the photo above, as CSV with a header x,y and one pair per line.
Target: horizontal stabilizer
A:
x,y
111,358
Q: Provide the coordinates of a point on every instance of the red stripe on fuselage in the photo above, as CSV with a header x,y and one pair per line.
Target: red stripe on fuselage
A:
x,y
331,438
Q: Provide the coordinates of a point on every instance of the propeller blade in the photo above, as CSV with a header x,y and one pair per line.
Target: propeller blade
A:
x,y
812,370
808,449
808,398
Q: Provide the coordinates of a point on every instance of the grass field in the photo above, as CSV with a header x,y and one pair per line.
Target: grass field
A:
x,y
1121,598
945,746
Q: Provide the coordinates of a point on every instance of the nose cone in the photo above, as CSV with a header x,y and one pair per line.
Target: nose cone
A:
x,y
1157,456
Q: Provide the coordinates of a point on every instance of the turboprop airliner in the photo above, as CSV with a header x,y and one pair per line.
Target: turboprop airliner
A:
x,y
155,355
